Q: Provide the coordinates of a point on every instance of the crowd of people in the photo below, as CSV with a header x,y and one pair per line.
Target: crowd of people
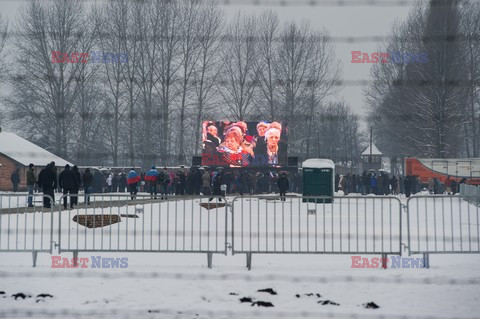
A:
x,y
204,181
382,184
158,183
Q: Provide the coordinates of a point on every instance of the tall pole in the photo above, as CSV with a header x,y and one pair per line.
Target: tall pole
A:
x,y
371,136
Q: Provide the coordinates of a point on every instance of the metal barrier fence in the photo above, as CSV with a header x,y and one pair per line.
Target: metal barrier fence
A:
x,y
349,225
116,223
25,229
442,225
470,193
259,225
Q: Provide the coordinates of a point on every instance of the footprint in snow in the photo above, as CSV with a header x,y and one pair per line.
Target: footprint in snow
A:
x,y
262,304
269,290
246,299
328,302
21,295
370,305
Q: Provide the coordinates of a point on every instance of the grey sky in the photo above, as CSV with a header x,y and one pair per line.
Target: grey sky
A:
x,y
339,21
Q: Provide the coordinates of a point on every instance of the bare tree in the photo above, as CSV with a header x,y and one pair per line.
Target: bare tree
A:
x,y
113,57
439,105
338,134
418,106
190,54
3,65
167,66
471,29
240,73
296,51
131,36
322,79
209,63
267,103
44,91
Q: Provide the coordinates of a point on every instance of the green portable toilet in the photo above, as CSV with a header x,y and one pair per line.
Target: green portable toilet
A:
x,y
318,179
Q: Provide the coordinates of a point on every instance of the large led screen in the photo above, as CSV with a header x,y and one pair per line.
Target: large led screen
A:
x,y
242,144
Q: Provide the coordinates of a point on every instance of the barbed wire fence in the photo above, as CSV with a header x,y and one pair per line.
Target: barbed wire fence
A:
x,y
195,313
313,3
202,276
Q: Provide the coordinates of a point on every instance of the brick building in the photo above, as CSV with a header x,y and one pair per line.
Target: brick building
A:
x,y
17,152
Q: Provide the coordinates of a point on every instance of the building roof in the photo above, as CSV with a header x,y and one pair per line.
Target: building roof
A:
x,y
25,152
318,163
375,150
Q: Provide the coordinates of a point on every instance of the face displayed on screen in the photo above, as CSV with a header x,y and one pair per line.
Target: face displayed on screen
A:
x,y
273,139
261,129
212,130
231,143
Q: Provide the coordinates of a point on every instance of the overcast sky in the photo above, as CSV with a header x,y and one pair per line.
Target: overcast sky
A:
x,y
339,21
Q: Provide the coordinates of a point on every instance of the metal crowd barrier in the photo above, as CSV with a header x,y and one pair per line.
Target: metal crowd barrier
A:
x,y
26,229
470,193
116,223
442,225
259,225
349,225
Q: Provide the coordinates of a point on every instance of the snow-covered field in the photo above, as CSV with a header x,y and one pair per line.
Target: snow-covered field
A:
x,y
165,285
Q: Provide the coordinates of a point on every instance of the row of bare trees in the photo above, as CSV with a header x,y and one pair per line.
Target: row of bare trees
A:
x,y
185,64
430,109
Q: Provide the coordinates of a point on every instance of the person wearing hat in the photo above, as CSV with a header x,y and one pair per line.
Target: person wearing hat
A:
x,y
31,180
47,180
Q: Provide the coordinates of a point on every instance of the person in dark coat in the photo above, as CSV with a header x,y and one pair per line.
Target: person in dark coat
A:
x,y
437,188
122,183
98,182
407,184
386,184
163,179
79,183
218,181
115,183
366,183
275,151
181,182
87,180
379,185
253,183
197,182
68,182
394,185
31,180
283,186
47,180
373,184
459,185
15,178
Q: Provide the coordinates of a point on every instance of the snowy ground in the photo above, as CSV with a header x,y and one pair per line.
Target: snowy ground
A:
x,y
164,285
